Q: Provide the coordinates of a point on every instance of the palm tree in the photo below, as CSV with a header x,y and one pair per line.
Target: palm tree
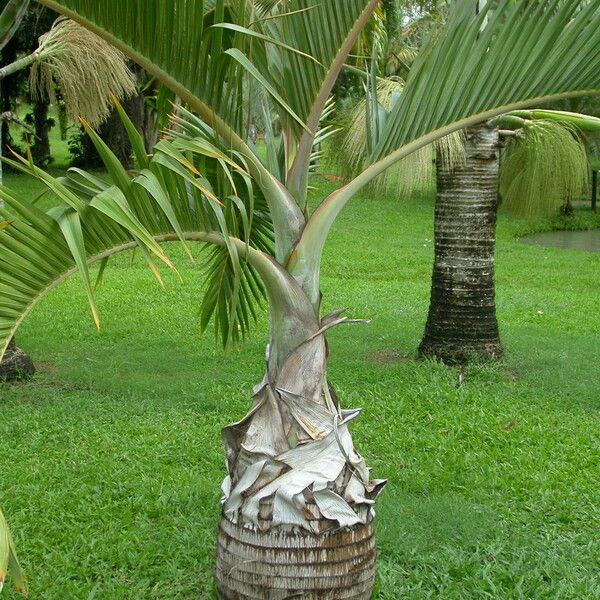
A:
x,y
543,165
297,507
84,66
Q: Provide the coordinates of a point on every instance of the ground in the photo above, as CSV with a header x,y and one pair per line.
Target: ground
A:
x,y
111,457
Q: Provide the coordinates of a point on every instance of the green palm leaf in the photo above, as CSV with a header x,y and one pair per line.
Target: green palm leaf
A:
x,y
8,559
327,31
168,200
511,54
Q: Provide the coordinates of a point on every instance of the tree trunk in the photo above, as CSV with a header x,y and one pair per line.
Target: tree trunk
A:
x,y
143,116
16,365
40,151
114,135
297,516
276,565
462,324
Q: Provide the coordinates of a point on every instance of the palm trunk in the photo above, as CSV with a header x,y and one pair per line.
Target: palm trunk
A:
x,y
15,365
40,151
297,516
462,321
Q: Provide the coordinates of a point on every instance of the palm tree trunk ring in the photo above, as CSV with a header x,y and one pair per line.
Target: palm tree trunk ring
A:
x,y
338,564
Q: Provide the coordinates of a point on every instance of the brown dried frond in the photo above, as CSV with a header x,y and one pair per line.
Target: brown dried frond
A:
x,y
85,67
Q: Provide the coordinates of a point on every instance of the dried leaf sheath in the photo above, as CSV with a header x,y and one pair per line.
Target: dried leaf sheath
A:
x,y
297,505
291,460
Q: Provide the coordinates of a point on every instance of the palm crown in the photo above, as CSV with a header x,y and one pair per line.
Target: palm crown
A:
x,y
476,67
291,462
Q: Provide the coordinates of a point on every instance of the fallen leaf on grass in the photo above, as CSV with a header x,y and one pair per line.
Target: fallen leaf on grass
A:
x,y
509,425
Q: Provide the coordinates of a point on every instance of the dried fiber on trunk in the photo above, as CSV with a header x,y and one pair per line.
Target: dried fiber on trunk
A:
x,y
297,504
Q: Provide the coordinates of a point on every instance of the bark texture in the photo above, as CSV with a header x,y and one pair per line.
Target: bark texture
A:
x,y
16,365
297,504
462,323
40,151
277,565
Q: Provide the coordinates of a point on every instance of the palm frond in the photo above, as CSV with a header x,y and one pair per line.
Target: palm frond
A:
x,y
186,38
189,189
509,55
326,31
8,559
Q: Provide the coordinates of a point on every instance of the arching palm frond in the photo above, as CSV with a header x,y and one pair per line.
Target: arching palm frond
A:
x,y
132,27
232,293
482,65
190,189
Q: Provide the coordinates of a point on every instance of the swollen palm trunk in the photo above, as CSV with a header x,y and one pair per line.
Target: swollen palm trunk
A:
x,y
297,517
462,321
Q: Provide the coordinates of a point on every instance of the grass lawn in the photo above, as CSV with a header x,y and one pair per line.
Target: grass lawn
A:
x,y
112,460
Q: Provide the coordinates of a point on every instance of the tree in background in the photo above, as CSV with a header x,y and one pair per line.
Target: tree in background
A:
x,y
295,485
543,166
85,67
534,160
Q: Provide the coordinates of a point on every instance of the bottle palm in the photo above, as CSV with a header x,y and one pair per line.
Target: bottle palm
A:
x,y
294,479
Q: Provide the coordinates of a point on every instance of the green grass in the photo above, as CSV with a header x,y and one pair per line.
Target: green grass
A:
x,y
112,460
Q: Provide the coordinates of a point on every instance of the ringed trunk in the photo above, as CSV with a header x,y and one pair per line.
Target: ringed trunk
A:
x,y
462,323
297,505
